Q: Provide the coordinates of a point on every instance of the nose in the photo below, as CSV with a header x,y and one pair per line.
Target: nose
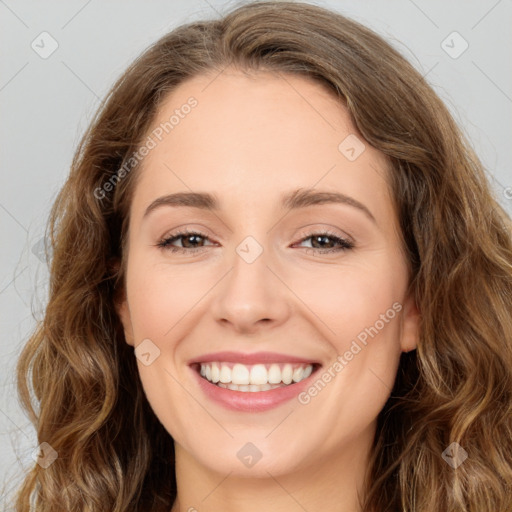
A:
x,y
252,296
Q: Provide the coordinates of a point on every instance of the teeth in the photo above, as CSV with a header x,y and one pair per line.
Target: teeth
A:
x,y
239,374
259,374
251,378
274,374
287,374
249,388
307,372
225,374
296,376
215,373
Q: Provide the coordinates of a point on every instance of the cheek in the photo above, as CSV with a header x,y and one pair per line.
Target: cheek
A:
x,y
159,297
364,336
359,310
352,302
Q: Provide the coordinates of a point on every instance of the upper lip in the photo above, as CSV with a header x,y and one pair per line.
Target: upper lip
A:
x,y
250,358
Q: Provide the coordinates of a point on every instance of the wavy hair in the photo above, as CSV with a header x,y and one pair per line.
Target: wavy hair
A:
x,y
457,385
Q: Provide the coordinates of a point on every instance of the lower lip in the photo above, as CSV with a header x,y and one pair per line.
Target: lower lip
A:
x,y
251,401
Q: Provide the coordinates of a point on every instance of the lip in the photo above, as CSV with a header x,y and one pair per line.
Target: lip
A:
x,y
250,358
258,401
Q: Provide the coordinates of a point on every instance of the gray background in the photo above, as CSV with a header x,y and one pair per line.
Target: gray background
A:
x,y
46,103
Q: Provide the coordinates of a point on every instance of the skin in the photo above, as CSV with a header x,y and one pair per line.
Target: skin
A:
x,y
250,139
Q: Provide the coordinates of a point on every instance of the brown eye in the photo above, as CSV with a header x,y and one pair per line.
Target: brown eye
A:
x,y
190,239
320,240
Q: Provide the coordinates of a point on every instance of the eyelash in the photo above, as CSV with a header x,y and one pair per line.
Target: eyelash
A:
x,y
345,244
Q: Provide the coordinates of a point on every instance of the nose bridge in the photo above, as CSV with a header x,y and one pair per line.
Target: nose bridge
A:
x,y
251,292
249,279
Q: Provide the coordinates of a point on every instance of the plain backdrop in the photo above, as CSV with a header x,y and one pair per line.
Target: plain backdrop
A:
x,y
59,58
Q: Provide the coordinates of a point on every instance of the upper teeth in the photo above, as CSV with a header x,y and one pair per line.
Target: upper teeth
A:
x,y
258,374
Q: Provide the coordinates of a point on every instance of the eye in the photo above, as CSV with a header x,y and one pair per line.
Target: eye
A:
x,y
320,239
189,237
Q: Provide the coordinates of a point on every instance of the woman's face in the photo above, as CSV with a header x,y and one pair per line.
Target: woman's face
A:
x,y
258,278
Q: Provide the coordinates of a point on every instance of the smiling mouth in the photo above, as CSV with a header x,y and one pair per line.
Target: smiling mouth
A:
x,y
256,377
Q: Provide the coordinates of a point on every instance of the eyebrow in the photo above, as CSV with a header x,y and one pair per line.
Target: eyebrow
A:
x,y
293,200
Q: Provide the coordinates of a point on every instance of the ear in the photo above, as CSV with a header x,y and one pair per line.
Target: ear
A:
x,y
122,309
410,327
123,312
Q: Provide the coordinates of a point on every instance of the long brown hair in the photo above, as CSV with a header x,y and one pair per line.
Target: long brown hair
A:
x,y
457,385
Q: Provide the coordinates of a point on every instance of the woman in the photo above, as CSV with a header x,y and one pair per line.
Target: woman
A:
x,y
262,369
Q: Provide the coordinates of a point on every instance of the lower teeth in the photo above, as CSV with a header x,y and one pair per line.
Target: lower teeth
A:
x,y
250,388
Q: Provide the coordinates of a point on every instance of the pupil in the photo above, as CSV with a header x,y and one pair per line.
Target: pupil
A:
x,y
323,237
191,237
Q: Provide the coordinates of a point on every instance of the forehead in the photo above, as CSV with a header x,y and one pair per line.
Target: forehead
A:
x,y
240,111
256,136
